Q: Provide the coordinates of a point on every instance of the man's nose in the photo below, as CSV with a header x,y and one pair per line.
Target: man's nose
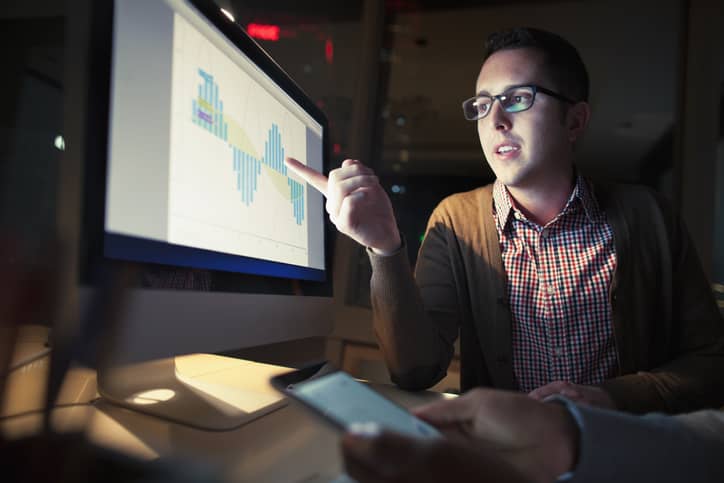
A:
x,y
498,116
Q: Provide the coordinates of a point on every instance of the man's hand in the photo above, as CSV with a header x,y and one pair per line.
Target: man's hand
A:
x,y
489,435
391,457
356,202
590,395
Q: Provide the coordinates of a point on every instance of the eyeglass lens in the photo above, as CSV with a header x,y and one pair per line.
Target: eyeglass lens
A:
x,y
513,100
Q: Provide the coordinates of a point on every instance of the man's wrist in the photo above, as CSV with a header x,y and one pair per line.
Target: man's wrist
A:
x,y
385,253
389,249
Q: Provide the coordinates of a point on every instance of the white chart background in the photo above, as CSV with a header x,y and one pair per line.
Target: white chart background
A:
x,y
205,207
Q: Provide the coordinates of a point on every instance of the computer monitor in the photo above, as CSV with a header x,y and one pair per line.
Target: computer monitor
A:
x,y
189,124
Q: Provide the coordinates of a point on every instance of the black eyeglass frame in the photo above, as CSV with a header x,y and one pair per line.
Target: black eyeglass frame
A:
x,y
501,97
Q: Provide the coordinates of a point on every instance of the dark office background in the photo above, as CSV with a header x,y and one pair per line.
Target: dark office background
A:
x,y
399,71
391,75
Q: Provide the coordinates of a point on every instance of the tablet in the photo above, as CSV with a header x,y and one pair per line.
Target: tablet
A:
x,y
345,402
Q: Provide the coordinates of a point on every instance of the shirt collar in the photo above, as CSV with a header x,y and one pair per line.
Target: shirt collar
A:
x,y
502,204
588,200
582,194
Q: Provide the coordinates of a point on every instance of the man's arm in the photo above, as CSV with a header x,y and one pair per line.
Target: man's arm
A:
x,y
693,375
417,350
493,435
620,447
416,321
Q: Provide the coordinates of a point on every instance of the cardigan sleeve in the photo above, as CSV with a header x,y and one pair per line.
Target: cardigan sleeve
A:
x,y
416,319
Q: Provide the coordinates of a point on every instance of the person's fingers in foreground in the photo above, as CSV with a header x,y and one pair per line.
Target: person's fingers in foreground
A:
x,y
391,457
535,437
447,411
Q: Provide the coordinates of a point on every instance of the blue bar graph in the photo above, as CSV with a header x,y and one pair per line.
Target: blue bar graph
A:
x,y
207,109
248,170
208,113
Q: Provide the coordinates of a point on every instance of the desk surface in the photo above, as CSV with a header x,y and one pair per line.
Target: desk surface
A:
x,y
289,444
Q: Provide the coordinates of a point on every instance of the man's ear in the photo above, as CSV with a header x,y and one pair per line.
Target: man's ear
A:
x,y
577,119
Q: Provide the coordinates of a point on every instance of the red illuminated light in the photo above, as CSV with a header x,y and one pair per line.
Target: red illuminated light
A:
x,y
263,32
329,51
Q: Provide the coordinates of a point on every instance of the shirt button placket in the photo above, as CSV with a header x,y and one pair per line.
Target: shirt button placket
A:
x,y
560,353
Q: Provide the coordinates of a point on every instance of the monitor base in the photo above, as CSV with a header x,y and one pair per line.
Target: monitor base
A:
x,y
203,391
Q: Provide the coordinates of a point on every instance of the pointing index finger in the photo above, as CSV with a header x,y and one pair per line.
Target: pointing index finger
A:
x,y
315,178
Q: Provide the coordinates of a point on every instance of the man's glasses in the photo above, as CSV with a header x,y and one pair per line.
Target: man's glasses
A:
x,y
515,99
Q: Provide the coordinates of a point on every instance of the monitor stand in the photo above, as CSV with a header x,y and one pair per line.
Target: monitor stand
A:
x,y
203,391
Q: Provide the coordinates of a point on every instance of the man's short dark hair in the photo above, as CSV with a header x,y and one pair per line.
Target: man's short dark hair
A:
x,y
562,61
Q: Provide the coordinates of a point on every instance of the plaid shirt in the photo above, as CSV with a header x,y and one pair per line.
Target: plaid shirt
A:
x,y
558,286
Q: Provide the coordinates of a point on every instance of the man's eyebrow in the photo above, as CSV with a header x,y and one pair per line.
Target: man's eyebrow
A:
x,y
484,92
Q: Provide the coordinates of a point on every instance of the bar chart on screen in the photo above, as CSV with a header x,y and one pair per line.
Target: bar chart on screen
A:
x,y
229,189
207,113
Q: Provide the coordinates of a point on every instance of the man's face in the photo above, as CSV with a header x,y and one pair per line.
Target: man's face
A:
x,y
528,147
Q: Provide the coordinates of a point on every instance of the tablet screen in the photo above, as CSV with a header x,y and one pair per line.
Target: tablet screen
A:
x,y
347,401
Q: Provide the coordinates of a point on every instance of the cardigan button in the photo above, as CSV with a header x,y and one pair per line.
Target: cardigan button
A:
x,y
501,359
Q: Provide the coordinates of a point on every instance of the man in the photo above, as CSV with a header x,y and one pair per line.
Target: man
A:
x,y
556,285
501,436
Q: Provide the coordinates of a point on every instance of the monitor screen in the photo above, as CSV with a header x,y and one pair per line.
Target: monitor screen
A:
x,y
198,133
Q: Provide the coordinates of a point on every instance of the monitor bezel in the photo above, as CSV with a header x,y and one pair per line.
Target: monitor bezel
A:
x,y
274,277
